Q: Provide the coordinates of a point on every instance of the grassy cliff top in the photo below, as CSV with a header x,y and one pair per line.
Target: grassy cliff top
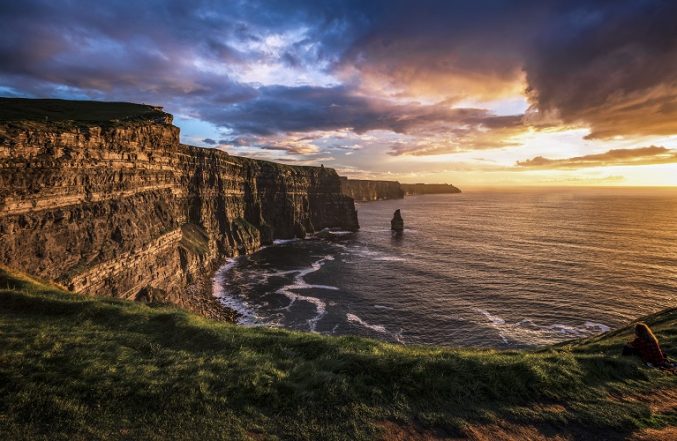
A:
x,y
46,110
74,367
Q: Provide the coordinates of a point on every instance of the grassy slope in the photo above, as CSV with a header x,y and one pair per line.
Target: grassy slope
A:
x,y
74,367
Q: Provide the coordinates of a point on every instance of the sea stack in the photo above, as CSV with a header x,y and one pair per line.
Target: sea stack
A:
x,y
397,224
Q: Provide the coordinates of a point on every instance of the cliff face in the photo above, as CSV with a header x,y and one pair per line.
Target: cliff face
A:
x,y
121,208
362,190
411,189
365,190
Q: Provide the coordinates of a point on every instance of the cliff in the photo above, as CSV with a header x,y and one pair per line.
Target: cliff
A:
x,y
412,189
363,190
102,197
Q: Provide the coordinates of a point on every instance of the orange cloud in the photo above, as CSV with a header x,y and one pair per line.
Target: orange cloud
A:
x,y
617,157
434,83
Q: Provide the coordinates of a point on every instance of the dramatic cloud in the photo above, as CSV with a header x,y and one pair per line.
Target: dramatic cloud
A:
x,y
279,109
462,138
296,144
612,65
183,54
638,156
437,49
406,79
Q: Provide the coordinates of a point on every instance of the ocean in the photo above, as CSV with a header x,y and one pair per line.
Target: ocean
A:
x,y
498,269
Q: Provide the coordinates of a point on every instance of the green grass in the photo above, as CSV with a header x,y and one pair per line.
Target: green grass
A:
x,y
194,239
21,109
74,367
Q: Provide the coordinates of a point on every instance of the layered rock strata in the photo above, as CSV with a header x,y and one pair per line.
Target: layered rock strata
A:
x,y
119,207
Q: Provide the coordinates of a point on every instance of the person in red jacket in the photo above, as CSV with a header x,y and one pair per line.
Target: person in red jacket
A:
x,y
647,347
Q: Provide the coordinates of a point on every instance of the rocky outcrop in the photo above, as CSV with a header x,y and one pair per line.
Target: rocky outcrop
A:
x,y
362,190
412,189
119,207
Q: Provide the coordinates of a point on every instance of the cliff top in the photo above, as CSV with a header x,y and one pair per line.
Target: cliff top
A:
x,y
368,180
78,367
88,112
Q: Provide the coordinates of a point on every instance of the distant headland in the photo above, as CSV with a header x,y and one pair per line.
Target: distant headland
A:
x,y
363,190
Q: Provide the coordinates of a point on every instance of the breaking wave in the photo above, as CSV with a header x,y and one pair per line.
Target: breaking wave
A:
x,y
301,284
526,331
246,314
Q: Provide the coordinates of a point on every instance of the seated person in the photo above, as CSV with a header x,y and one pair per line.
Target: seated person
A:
x,y
647,347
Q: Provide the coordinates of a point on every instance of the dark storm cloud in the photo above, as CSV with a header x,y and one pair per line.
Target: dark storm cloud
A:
x,y
139,52
156,51
609,64
639,156
209,141
279,109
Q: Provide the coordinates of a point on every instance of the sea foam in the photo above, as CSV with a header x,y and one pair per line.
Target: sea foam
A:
x,y
300,283
246,314
526,331
355,319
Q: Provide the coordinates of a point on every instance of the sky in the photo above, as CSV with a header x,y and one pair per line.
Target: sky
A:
x,y
476,93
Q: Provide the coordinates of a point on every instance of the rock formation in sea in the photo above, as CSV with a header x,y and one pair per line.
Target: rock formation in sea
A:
x,y
362,190
397,223
102,198
412,189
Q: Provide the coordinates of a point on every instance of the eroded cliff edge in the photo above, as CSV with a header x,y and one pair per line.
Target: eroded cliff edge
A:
x,y
363,190
109,202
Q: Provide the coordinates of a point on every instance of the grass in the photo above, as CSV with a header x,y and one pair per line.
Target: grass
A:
x,y
74,367
21,109
194,239
246,226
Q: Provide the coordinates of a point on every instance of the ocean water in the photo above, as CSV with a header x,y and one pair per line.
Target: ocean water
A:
x,y
493,269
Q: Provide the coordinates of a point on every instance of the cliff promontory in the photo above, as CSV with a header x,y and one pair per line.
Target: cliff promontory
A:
x,y
363,190
412,189
102,197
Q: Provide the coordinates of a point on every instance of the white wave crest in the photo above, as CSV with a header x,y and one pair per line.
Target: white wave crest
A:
x,y
526,331
375,255
299,283
246,314
383,307
355,319
597,326
285,241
